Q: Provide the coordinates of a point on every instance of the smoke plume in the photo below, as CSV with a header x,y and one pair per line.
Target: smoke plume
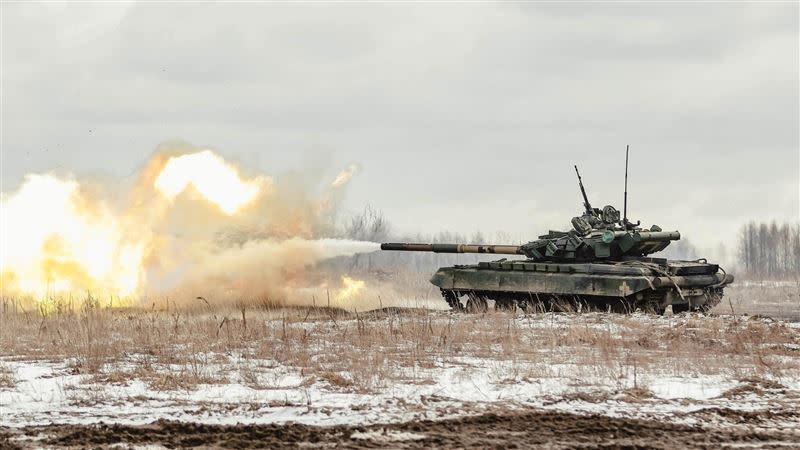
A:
x,y
190,224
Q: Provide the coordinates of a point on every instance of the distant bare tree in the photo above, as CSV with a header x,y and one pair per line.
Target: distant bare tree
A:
x,y
682,249
369,225
770,250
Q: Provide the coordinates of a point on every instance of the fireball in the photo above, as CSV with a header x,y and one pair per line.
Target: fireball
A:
x,y
56,240
211,176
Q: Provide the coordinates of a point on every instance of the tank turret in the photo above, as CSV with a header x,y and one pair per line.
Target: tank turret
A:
x,y
597,234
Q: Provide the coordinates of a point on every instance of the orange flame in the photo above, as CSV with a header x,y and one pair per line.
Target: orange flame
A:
x,y
350,288
214,179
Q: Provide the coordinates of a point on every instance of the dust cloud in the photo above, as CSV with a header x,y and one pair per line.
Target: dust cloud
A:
x,y
190,224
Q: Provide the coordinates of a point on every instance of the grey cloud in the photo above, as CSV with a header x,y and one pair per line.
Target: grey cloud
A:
x,y
441,104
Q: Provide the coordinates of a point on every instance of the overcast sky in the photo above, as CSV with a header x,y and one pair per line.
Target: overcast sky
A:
x,y
462,116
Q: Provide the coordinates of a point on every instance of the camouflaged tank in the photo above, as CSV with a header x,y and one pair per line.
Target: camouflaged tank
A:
x,y
602,263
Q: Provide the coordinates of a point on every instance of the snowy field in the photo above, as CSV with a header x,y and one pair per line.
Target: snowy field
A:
x,y
45,392
328,367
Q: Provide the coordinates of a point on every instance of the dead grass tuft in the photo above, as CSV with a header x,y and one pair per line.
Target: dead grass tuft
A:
x,y
336,380
636,394
7,379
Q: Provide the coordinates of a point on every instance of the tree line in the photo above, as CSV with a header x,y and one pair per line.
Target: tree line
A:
x,y
770,249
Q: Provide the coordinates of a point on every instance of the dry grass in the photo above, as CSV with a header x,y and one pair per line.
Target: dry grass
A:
x,y
7,380
366,352
779,299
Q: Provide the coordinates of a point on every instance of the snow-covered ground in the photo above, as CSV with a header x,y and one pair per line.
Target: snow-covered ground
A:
x,y
393,367
47,392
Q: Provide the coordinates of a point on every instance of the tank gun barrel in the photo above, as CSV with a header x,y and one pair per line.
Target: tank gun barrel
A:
x,y
453,248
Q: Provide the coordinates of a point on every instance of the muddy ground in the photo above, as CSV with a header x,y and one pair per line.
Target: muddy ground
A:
x,y
528,429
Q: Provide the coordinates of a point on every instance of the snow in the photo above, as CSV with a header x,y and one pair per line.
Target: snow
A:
x,y
47,392
705,388
240,388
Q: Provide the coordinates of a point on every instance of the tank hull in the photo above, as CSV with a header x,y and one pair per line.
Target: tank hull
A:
x,y
634,283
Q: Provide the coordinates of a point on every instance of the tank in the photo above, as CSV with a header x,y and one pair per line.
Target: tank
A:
x,y
603,263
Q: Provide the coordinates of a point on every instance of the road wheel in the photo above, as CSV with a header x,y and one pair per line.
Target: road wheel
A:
x,y
451,297
677,309
476,303
505,305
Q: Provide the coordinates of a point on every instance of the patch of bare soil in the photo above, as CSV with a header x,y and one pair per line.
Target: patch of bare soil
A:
x,y
530,429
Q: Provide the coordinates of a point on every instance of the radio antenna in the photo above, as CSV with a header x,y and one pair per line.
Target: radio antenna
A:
x,y
583,192
625,201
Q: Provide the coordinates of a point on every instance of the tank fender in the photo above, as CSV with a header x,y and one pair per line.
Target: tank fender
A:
x,y
443,279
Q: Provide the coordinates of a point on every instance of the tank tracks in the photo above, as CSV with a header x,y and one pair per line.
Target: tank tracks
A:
x,y
479,302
